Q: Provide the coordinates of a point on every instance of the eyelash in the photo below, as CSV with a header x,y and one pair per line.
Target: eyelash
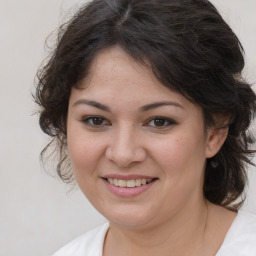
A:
x,y
90,119
166,122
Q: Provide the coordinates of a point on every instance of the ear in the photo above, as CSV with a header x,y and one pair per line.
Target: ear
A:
x,y
215,139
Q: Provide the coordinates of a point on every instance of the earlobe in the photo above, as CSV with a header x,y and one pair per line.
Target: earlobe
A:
x,y
215,139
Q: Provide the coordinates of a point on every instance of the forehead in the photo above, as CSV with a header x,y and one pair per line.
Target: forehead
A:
x,y
114,68
115,78
114,63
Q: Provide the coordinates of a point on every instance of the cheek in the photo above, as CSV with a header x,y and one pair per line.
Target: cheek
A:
x,y
173,150
182,162
83,151
83,160
183,155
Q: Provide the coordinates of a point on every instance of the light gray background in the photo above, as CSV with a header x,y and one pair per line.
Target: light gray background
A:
x,y
38,214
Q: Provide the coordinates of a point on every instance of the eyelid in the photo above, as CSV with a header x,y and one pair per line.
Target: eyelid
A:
x,y
86,120
169,120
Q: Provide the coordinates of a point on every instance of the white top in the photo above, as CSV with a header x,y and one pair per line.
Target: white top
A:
x,y
239,241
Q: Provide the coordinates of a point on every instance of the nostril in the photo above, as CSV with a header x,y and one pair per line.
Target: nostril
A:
x,y
125,150
122,157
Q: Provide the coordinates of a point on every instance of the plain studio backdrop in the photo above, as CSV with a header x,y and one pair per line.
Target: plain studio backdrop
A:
x,y
38,214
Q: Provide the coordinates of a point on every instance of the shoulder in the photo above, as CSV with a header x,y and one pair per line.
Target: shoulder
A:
x,y
241,237
88,244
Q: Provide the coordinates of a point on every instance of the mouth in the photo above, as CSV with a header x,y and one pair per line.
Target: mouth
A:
x,y
128,186
129,183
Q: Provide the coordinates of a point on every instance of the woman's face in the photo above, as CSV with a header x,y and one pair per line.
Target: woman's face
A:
x,y
126,128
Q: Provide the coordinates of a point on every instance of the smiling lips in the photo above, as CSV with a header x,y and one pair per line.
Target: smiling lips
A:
x,y
128,186
129,183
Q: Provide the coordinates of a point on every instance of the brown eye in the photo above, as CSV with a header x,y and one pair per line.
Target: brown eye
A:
x,y
95,121
160,122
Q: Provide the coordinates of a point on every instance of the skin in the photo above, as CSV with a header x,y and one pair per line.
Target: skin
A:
x,y
171,217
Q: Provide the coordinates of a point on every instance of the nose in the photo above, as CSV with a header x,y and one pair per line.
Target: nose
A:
x,y
125,148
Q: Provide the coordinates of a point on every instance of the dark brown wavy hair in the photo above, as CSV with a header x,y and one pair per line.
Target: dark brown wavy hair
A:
x,y
190,49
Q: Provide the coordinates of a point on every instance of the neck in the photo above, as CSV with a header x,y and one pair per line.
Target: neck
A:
x,y
182,234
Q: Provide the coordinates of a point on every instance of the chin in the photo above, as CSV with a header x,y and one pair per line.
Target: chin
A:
x,y
129,217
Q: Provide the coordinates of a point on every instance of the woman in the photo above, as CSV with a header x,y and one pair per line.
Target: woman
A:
x,y
145,99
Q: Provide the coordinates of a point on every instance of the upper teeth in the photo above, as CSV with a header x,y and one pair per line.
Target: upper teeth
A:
x,y
128,183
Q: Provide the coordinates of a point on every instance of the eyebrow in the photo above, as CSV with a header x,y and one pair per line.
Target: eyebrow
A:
x,y
160,104
143,108
92,103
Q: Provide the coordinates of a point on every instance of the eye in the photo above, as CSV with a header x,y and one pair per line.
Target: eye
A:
x,y
95,121
160,122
